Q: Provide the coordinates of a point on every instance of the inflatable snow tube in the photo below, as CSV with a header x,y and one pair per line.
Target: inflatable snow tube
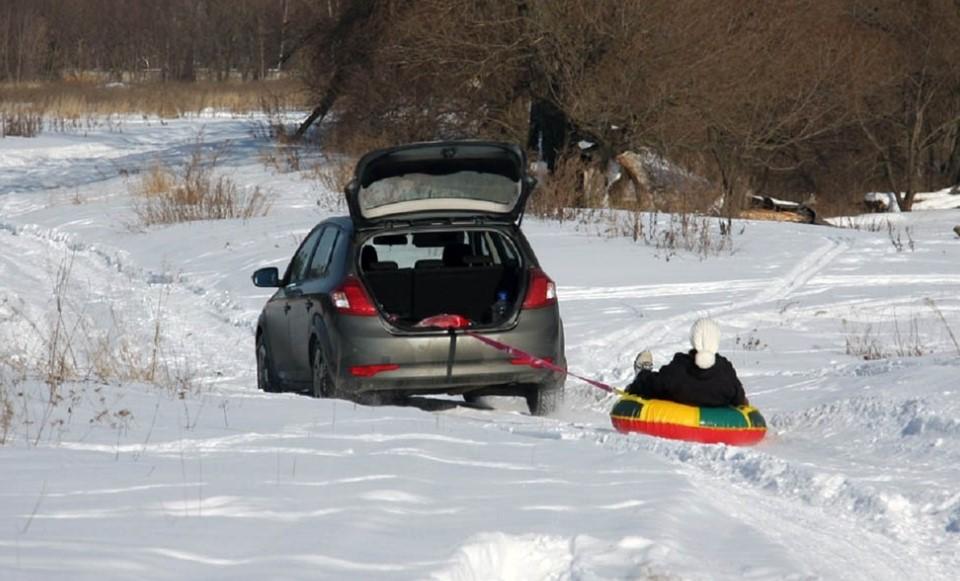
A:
x,y
737,426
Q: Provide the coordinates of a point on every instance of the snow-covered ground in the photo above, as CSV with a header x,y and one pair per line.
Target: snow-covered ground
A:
x,y
211,479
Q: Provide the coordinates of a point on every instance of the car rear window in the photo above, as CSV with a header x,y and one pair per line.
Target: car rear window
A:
x,y
431,249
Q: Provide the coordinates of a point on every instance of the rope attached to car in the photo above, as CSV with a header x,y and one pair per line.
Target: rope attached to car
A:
x,y
538,363
453,323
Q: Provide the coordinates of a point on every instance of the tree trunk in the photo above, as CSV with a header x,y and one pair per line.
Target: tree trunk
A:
x,y
353,21
188,73
284,22
261,49
321,110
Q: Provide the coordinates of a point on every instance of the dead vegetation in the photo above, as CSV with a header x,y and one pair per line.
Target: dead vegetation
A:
x,y
335,174
19,123
64,104
71,353
671,221
871,341
832,98
166,195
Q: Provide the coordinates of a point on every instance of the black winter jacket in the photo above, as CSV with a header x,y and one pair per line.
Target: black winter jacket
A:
x,y
683,382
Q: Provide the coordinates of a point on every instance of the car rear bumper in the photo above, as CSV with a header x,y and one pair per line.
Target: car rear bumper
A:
x,y
441,362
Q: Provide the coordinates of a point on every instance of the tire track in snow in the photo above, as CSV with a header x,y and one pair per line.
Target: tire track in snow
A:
x,y
111,280
792,491
658,331
118,261
843,523
569,294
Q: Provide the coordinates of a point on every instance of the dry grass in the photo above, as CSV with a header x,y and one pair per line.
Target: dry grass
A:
x,y
20,123
897,238
282,157
335,174
873,341
874,225
78,100
703,236
560,193
6,414
936,310
167,196
671,222
73,349
900,239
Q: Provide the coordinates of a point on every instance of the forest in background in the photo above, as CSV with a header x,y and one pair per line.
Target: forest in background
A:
x,y
169,40
831,98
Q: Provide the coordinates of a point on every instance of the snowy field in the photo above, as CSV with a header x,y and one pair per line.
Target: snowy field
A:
x,y
210,479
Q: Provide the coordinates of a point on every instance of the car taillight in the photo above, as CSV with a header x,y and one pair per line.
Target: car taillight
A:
x,y
541,291
350,298
371,370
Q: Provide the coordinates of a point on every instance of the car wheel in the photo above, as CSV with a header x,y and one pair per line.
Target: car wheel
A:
x,y
323,385
266,381
544,400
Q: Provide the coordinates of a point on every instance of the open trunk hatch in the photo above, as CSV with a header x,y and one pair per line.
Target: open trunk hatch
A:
x,y
456,179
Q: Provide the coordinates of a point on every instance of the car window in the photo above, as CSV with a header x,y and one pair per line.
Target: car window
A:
x,y
490,245
486,249
298,266
321,257
509,253
407,254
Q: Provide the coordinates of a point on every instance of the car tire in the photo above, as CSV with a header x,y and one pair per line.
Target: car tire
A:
x,y
266,379
323,384
544,400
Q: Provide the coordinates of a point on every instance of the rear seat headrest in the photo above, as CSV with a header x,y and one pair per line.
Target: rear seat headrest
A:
x,y
453,254
385,265
368,255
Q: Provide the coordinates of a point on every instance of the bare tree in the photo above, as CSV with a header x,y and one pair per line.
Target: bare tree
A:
x,y
910,106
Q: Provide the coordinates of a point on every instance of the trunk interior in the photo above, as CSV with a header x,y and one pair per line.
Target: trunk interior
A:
x,y
473,273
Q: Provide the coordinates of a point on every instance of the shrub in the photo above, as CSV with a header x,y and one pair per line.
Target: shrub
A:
x,y
559,193
872,341
165,196
20,124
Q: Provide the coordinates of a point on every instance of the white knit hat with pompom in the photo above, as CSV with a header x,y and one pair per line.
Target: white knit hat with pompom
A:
x,y
705,338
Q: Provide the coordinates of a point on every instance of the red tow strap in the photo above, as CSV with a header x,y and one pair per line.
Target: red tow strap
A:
x,y
458,322
537,362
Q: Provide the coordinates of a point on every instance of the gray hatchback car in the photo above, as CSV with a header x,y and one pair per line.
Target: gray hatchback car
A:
x,y
434,229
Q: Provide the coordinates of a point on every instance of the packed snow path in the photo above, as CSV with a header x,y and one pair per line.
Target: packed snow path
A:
x,y
857,479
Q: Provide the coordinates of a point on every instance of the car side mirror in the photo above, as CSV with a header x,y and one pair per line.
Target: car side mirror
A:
x,y
267,277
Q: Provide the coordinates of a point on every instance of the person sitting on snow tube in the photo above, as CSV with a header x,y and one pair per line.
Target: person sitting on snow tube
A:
x,y
698,378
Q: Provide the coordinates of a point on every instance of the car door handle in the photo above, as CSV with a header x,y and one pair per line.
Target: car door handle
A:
x,y
286,308
309,304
